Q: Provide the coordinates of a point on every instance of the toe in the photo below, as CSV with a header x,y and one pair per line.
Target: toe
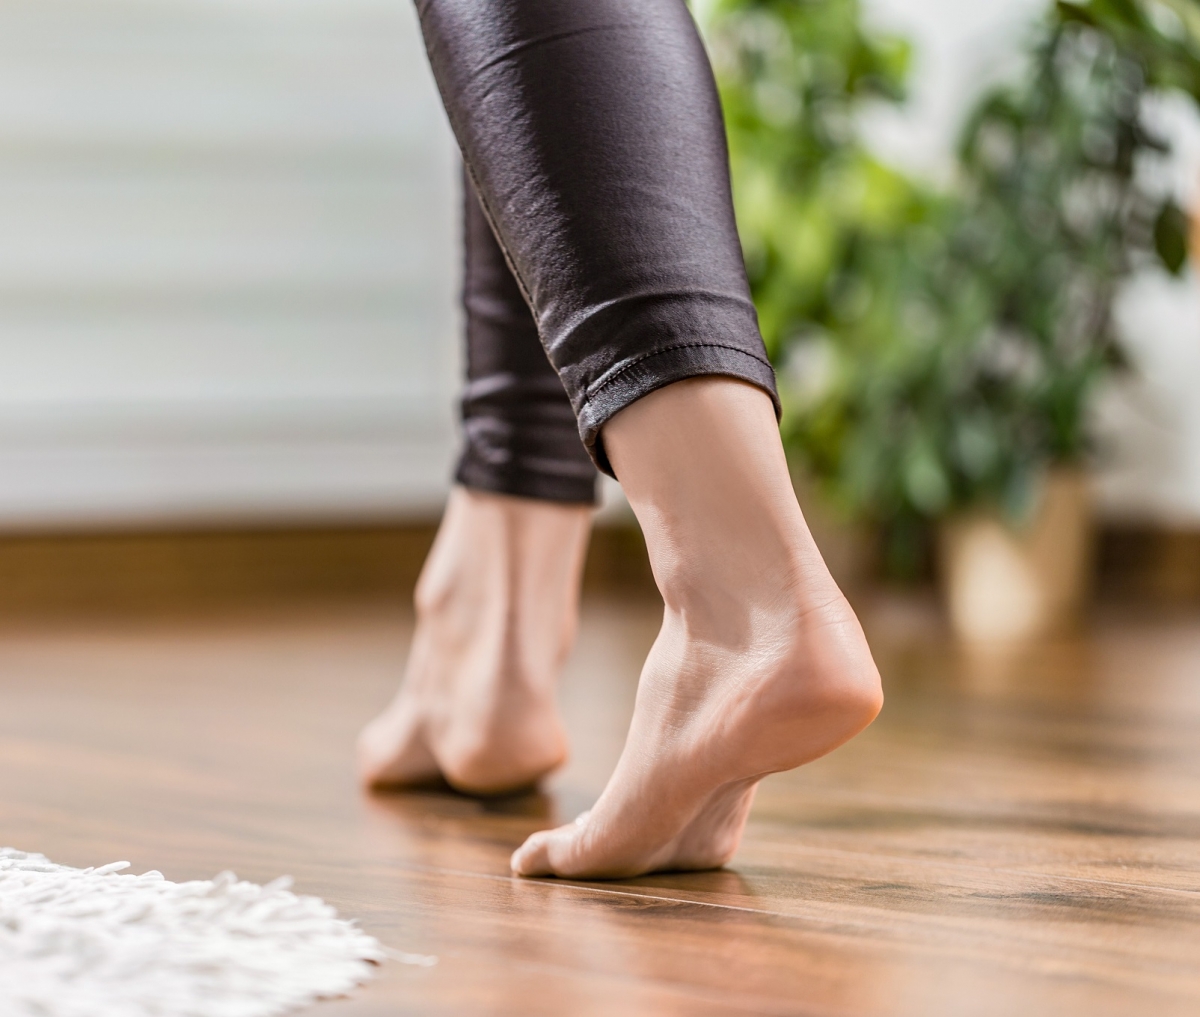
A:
x,y
533,857
391,751
545,852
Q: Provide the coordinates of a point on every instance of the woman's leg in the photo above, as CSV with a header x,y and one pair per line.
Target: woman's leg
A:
x,y
497,601
760,665
593,133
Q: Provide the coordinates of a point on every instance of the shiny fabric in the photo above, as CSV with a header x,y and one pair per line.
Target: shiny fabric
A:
x,y
592,133
519,432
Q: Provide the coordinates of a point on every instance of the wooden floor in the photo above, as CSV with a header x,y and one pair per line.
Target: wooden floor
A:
x,y
1014,836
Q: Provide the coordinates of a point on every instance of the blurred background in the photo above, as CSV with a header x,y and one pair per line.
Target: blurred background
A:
x,y
229,270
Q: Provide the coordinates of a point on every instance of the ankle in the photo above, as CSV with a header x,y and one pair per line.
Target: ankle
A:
x,y
517,560
733,599
704,470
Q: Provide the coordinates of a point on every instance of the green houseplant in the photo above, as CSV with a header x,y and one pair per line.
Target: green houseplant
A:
x,y
941,357
1055,216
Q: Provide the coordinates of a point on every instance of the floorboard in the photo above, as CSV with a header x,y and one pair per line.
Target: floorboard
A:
x,y
1017,834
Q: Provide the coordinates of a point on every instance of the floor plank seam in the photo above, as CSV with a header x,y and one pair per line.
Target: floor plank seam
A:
x,y
840,924
1029,873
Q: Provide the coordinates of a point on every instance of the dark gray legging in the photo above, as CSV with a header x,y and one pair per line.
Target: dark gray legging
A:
x,y
592,136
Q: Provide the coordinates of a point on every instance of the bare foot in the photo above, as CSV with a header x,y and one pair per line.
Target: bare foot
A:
x,y
760,665
497,608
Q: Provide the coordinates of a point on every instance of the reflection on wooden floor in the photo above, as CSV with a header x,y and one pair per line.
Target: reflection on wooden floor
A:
x,y
1013,836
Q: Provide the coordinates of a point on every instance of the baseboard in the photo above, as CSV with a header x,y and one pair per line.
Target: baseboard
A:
x,y
176,570
201,569
1148,562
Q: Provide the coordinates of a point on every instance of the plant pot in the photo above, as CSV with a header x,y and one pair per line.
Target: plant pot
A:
x,y
1004,583
1194,237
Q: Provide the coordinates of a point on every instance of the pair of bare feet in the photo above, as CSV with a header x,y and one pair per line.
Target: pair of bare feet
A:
x,y
760,665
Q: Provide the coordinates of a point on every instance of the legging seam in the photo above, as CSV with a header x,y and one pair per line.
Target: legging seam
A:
x,y
593,392
491,221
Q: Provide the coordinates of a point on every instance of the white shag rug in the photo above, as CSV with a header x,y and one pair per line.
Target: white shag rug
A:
x,y
95,943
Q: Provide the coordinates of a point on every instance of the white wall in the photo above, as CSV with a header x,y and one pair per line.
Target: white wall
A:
x,y
228,261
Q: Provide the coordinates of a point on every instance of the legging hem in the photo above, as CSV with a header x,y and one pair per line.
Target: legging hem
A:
x,y
519,481
662,368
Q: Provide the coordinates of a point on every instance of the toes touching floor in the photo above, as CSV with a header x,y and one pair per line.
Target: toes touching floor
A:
x,y
760,665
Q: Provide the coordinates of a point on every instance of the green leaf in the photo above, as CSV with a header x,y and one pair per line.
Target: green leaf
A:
x,y
1074,10
1171,237
925,483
